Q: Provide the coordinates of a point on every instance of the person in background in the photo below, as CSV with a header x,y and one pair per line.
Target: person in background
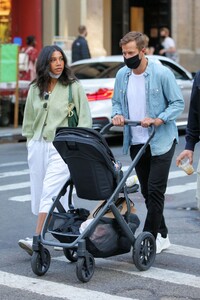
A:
x,y
80,49
47,109
193,131
149,49
168,44
32,53
147,91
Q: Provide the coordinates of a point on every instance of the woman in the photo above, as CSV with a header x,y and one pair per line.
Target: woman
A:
x,y
32,53
46,109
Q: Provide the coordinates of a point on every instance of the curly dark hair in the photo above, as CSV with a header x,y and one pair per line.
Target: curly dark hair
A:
x,y
43,67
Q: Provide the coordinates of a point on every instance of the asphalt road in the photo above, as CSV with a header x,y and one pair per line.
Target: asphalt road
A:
x,y
174,275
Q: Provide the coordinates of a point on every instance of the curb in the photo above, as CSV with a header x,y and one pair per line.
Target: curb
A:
x,y
9,135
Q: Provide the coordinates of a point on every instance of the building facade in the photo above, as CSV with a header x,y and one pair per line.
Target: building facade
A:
x,y
56,21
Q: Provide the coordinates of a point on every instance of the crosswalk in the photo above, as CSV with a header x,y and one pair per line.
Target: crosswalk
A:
x,y
61,290
171,189
50,288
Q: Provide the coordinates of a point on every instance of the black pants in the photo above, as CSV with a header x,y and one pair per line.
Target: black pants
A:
x,y
152,172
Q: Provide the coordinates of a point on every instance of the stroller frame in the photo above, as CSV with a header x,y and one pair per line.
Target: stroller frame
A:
x,y
144,247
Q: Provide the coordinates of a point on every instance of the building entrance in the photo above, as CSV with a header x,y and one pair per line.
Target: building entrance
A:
x,y
146,16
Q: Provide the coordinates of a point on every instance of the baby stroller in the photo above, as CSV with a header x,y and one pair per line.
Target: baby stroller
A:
x,y
95,176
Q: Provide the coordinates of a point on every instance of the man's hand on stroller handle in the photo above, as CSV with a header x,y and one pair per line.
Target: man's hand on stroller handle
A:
x,y
119,120
146,122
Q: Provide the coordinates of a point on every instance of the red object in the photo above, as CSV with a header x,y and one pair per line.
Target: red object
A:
x,y
26,19
101,94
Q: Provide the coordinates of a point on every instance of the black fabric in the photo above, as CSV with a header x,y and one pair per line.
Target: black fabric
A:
x,y
193,126
108,239
90,162
152,172
80,49
68,223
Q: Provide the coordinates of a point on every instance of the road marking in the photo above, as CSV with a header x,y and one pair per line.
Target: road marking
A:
x,y
154,273
176,189
183,250
11,164
15,186
53,289
176,174
14,173
170,189
22,198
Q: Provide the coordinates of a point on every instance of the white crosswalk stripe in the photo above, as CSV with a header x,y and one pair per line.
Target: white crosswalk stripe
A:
x,y
14,173
14,186
154,273
53,289
171,189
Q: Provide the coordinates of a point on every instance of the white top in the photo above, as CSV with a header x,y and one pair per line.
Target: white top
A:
x,y
169,43
137,107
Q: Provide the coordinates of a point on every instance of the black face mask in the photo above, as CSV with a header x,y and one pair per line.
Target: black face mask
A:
x,y
132,62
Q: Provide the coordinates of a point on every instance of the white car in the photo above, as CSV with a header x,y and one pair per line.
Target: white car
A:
x,y
97,75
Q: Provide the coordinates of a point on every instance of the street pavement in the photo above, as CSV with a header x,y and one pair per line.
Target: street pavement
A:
x,y
11,134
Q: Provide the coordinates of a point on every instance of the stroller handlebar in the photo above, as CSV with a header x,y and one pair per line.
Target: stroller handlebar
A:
x,y
128,122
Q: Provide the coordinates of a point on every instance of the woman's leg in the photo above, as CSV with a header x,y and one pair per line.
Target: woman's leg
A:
x,y
57,174
37,161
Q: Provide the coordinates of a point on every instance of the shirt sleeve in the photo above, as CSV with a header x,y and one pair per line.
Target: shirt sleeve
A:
x,y
193,126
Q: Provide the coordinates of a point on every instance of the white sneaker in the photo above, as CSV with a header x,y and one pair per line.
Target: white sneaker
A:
x,y
162,243
26,244
132,180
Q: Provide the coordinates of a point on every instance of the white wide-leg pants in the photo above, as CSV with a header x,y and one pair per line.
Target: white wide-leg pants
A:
x,y
48,174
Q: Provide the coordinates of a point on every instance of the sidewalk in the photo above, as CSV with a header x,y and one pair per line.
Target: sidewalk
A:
x,y
11,135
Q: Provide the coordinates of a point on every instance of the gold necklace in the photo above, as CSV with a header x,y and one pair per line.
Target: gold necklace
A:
x,y
51,87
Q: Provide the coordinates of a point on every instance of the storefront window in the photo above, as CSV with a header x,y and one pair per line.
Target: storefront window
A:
x,y
5,21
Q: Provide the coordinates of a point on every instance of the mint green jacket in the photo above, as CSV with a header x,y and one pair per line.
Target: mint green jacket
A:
x,y
42,117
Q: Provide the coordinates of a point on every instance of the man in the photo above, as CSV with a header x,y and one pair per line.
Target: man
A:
x,y
80,49
147,91
193,131
168,44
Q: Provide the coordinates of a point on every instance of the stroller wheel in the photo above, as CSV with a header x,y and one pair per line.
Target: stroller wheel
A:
x,y
70,254
85,268
40,267
144,251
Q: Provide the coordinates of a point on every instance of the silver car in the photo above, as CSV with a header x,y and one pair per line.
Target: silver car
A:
x,y
97,75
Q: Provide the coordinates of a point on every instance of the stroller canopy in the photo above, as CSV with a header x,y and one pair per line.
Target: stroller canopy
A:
x,y
90,161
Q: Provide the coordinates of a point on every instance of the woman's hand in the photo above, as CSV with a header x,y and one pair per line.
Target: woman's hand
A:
x,y
118,120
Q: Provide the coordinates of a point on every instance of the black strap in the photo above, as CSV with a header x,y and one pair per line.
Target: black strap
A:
x,y
70,94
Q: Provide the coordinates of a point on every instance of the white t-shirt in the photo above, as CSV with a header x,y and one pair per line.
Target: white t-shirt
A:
x,y
169,43
137,107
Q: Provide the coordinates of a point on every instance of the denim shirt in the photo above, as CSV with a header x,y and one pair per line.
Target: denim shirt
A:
x,y
164,100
